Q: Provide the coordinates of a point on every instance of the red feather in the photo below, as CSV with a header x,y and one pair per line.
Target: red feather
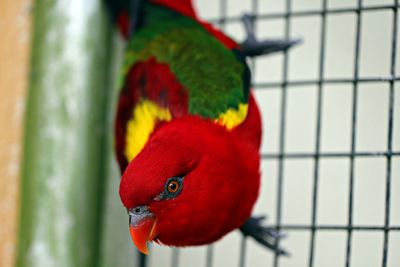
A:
x,y
184,7
220,186
123,24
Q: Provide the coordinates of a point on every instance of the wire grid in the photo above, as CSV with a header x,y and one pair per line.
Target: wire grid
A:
x,y
281,156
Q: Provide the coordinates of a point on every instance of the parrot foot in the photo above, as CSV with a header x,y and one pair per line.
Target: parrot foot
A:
x,y
252,47
264,235
135,8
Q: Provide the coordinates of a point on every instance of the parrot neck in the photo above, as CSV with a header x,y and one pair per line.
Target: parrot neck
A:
x,y
185,7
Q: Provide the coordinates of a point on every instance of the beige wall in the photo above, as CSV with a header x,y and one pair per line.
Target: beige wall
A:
x,y
14,56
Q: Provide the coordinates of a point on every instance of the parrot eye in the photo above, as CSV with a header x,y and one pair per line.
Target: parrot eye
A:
x,y
172,188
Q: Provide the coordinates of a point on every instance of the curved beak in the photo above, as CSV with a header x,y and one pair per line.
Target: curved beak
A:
x,y
143,228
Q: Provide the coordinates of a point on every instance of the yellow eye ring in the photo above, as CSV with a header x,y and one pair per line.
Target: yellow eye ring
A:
x,y
173,186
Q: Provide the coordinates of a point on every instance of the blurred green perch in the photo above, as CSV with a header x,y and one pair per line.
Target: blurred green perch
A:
x,y
66,128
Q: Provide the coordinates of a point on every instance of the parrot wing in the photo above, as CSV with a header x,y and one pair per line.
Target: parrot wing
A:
x,y
174,67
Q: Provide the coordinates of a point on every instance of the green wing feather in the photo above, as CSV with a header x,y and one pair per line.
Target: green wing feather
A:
x,y
212,74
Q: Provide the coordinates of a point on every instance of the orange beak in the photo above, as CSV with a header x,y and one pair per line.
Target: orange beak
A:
x,y
143,232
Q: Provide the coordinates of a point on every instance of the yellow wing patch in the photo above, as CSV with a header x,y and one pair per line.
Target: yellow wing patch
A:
x,y
139,128
147,113
233,117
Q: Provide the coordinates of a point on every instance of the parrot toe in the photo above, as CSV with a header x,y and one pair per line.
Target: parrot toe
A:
x,y
266,236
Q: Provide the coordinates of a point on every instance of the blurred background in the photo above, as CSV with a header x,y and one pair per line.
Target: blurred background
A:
x,y
331,144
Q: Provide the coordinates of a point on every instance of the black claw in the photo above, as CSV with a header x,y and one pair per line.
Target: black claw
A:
x,y
251,47
273,233
266,236
134,14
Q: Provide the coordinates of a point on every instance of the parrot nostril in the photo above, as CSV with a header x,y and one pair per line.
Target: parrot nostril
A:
x,y
139,210
138,214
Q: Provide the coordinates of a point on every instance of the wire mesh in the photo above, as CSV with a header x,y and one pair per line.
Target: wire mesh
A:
x,y
322,83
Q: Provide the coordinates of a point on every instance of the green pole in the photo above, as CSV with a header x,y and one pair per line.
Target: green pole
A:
x,y
64,157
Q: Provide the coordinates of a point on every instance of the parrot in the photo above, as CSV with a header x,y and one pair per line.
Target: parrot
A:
x,y
187,127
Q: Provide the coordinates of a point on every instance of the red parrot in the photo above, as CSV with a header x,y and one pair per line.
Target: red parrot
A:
x,y
188,129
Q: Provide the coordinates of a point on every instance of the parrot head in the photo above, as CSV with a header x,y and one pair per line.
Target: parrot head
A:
x,y
193,182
